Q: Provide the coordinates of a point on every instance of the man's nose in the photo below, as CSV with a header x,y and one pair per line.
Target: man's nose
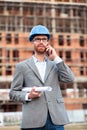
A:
x,y
41,40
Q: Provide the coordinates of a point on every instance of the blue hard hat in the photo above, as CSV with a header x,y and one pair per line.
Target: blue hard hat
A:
x,y
39,30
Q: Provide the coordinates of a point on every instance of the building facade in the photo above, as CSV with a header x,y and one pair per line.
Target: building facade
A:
x,y
67,22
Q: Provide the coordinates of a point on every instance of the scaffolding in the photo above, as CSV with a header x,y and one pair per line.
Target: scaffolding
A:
x,y
67,22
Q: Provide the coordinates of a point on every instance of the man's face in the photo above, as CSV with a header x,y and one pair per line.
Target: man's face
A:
x,y
40,42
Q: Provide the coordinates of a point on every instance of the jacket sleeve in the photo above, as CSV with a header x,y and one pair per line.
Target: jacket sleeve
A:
x,y
64,72
16,93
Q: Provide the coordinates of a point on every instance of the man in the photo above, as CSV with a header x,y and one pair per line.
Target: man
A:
x,y
41,110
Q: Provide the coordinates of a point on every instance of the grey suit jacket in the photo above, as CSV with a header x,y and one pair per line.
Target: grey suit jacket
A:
x,y
34,113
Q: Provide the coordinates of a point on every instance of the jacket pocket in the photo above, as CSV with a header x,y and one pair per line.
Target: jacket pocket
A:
x,y
60,100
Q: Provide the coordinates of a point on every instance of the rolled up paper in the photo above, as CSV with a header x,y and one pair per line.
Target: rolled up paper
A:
x,y
38,89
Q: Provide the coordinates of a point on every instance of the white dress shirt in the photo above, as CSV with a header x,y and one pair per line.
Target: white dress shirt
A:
x,y
41,66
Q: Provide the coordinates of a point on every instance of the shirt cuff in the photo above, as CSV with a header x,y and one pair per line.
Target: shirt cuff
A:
x,y
57,60
26,97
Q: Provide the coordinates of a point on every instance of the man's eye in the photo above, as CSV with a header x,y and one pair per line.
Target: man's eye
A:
x,y
44,39
41,39
37,39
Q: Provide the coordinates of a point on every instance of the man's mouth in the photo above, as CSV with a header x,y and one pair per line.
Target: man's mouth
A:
x,y
41,46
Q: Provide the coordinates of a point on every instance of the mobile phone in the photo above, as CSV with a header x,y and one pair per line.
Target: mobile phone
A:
x,y
49,52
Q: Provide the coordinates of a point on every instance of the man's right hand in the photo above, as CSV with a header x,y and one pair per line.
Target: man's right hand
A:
x,y
33,94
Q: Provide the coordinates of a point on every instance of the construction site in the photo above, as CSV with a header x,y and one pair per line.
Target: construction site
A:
x,y
67,22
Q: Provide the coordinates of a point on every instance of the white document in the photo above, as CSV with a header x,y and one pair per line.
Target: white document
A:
x,y
38,89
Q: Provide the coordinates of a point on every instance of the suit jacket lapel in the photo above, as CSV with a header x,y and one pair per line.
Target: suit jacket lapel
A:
x,y
32,65
48,69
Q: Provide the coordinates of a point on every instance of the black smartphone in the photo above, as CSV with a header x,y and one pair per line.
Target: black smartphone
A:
x,y
49,52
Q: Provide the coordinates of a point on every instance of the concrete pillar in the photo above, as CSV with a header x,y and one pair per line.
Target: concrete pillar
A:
x,y
76,95
71,15
85,92
35,15
81,92
44,14
21,14
53,19
6,13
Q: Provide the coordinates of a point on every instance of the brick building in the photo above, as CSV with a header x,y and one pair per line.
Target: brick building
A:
x,y
67,22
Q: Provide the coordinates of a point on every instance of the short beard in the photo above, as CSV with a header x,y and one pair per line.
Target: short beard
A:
x,y
40,52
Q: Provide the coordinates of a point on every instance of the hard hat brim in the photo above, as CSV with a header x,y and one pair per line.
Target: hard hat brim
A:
x,y
32,37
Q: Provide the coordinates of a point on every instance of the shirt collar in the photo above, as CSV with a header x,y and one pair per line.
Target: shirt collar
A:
x,y
36,60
